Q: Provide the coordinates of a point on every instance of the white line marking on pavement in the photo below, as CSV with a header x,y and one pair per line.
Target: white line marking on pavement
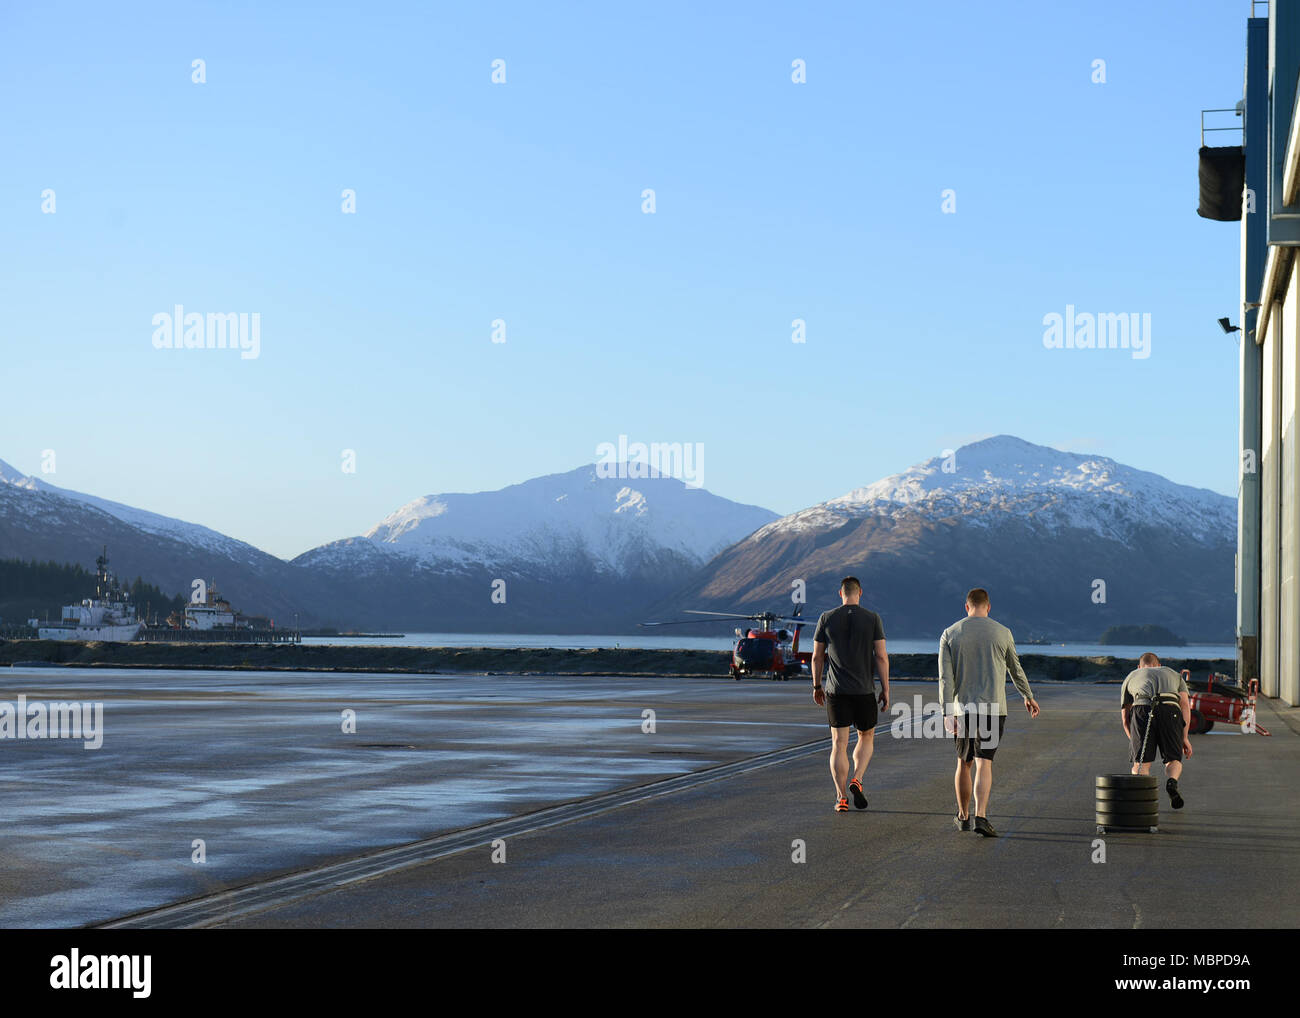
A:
x,y
239,902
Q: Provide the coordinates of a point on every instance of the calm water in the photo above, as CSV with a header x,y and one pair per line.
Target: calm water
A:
x,y
724,643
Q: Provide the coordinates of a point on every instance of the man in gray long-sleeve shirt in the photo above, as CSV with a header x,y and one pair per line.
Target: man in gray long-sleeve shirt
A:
x,y
975,655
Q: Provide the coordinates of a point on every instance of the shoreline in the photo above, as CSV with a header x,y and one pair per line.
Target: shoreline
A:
x,y
507,661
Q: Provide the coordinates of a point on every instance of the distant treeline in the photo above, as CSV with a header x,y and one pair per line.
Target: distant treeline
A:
x,y
1141,636
41,589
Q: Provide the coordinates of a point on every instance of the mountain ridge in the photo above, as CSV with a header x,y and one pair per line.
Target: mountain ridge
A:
x,y
1037,527
578,551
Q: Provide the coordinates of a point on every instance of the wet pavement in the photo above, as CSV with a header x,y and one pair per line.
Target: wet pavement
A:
x,y
678,827
768,851
257,766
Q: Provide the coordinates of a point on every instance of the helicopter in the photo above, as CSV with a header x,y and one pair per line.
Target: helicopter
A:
x,y
762,649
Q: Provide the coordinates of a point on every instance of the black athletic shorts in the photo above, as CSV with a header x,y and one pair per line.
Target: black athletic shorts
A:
x,y
1166,733
975,737
859,710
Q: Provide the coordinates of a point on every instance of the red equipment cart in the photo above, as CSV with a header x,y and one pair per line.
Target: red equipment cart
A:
x,y
1221,698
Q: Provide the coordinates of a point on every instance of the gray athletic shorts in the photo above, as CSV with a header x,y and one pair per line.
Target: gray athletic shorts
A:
x,y
975,736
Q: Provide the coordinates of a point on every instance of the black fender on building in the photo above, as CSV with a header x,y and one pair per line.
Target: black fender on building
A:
x,y
1223,177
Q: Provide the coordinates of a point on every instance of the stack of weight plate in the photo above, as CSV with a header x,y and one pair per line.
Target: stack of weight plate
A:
x,y
1127,802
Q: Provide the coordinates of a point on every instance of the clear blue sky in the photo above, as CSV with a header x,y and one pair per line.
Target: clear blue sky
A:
x,y
522,201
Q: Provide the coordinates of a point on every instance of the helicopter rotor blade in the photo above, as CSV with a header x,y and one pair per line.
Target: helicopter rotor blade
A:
x,y
687,622
765,617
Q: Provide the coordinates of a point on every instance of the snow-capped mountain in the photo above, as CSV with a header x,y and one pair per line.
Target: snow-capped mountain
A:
x,y
1035,526
42,521
577,551
1003,476
609,521
1067,545
141,519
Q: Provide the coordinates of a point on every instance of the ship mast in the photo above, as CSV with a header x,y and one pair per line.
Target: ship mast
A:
x,y
101,575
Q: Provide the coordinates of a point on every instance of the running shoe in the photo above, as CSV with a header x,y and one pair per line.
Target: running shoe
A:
x,y
982,826
859,797
1175,798
960,824
841,805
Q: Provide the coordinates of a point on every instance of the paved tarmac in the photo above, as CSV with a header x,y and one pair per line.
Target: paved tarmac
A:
x,y
721,854
257,766
600,823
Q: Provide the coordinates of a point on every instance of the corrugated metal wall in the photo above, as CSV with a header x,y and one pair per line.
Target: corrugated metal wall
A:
x,y
1289,546
1270,461
1279,644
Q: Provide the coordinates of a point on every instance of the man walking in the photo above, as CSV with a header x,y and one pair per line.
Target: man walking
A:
x,y
975,655
1152,687
847,643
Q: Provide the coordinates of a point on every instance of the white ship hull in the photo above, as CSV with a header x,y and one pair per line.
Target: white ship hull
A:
x,y
107,633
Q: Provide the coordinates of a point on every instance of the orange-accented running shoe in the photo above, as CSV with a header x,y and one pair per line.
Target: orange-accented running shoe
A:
x,y
841,805
859,797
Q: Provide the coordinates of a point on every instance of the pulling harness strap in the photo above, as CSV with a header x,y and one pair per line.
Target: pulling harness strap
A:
x,y
1162,698
1151,716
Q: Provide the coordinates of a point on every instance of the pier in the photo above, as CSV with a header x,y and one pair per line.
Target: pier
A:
x,y
165,634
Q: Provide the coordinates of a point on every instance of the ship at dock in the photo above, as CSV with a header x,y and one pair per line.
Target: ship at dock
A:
x,y
108,616
210,618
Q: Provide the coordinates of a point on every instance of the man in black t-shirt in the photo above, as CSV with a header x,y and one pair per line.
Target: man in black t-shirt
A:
x,y
848,642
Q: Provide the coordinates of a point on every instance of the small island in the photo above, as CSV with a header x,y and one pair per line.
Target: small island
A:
x,y
1141,636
